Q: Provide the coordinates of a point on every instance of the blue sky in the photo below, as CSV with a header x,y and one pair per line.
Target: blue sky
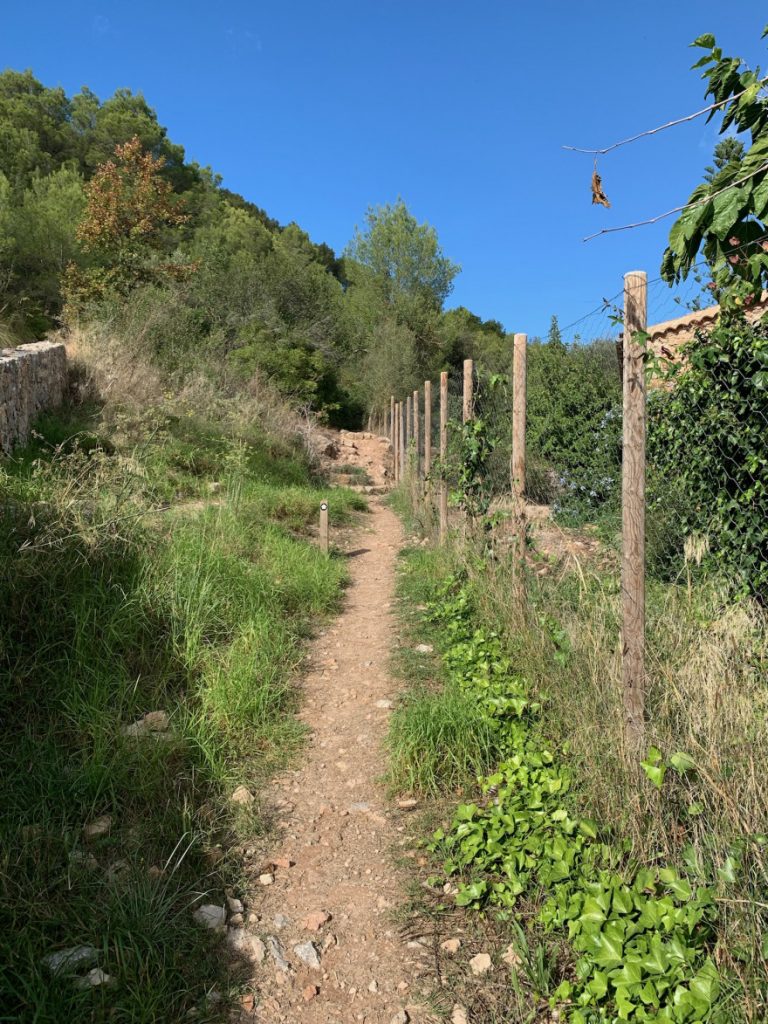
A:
x,y
317,110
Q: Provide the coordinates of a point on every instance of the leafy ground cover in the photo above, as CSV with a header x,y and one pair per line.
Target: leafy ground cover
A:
x,y
604,925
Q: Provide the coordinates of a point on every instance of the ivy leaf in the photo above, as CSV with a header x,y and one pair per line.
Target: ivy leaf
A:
x,y
609,948
728,871
653,767
473,893
682,762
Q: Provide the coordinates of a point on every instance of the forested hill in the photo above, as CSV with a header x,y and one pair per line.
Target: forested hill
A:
x,y
103,221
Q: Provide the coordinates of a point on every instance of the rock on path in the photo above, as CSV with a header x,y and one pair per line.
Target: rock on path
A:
x,y
339,831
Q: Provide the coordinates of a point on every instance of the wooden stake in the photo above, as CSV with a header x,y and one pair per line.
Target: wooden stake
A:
x,y
416,433
519,389
401,427
324,527
466,409
633,511
392,435
427,427
443,455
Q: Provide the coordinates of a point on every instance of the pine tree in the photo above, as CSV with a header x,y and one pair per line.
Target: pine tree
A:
x,y
554,337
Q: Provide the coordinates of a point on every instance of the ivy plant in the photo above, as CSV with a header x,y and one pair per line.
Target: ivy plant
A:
x,y
641,935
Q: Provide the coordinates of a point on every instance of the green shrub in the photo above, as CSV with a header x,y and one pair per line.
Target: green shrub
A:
x,y
707,441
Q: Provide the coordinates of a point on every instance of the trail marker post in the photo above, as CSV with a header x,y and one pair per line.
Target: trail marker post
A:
x,y
633,510
324,527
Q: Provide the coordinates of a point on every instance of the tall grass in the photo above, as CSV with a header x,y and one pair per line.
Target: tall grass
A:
x,y
706,696
438,740
119,597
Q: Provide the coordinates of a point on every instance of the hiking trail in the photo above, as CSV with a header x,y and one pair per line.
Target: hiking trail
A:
x,y
325,894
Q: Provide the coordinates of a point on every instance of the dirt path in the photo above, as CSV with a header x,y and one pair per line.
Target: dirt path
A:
x,y
335,882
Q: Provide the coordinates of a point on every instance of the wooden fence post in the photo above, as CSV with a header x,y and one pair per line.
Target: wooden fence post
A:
x,y
394,444
466,408
633,510
443,455
324,527
416,434
393,436
427,436
403,441
519,388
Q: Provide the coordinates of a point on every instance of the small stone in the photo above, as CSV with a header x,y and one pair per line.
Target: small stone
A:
x,y
408,804
242,796
309,992
277,953
402,987
373,986
235,905
210,915
307,953
314,922
459,1015
68,959
329,942
266,879
401,1017
247,944
252,918
236,920
283,862
385,705
480,964
152,722
511,957
98,827
280,921
424,648
84,859
451,946
94,978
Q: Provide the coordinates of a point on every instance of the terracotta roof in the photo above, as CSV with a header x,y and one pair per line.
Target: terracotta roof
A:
x,y
673,333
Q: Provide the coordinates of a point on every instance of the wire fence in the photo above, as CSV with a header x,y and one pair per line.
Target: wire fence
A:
x,y
653,436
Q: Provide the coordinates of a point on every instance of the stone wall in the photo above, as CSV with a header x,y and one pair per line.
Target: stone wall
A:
x,y
33,378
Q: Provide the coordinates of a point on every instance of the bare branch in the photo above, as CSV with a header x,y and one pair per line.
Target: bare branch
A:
x,y
677,209
661,127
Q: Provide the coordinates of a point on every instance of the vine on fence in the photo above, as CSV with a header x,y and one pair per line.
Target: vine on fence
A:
x,y
469,469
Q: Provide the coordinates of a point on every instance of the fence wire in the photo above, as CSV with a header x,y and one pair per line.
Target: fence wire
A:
x,y
707,424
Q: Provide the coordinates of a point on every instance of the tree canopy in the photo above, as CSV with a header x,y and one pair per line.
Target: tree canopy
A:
x,y
726,217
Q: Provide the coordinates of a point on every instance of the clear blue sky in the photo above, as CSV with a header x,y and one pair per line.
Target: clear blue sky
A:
x,y
317,110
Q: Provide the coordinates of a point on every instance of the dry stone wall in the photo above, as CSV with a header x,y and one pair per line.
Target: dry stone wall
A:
x,y
33,378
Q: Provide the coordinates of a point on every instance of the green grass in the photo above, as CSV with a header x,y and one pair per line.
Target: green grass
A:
x,y
439,741
110,610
